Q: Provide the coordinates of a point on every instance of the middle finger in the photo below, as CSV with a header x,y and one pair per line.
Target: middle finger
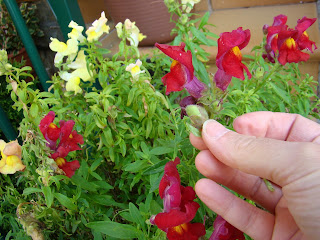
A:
x,y
249,186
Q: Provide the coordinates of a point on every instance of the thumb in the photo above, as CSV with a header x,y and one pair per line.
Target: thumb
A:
x,y
279,161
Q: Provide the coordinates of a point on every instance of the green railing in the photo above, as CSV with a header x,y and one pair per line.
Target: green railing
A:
x,y
65,11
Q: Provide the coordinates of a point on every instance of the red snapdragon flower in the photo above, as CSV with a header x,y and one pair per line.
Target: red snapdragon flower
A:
x,y
179,207
287,44
61,140
68,167
225,231
229,58
181,73
49,130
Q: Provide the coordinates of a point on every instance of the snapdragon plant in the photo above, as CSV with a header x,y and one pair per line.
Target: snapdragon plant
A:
x,y
105,153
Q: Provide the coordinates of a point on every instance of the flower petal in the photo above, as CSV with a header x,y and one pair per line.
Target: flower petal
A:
x,y
176,217
176,78
179,54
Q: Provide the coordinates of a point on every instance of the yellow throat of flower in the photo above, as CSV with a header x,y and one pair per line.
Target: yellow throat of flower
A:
x,y
291,43
236,51
174,62
12,160
52,125
135,70
60,161
181,228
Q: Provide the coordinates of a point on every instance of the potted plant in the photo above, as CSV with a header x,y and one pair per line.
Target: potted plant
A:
x,y
106,153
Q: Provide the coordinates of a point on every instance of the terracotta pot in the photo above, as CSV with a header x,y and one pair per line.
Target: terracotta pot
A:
x,y
151,17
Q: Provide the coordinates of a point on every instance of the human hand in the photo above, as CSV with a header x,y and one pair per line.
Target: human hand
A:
x,y
283,148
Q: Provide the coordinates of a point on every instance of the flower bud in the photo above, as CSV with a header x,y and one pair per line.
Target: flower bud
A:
x,y
198,115
259,72
184,18
265,29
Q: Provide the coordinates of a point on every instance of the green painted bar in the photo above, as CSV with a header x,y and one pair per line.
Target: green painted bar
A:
x,y
6,126
28,42
65,11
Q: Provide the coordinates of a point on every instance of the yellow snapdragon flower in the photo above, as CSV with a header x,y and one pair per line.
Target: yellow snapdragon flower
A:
x,y
134,69
10,157
98,28
190,2
134,33
80,72
76,32
63,49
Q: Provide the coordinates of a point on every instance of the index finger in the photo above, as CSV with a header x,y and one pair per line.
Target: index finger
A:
x,y
276,125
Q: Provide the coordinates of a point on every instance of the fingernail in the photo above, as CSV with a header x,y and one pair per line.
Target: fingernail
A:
x,y
213,129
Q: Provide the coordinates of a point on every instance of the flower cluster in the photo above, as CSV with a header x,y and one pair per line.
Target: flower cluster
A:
x,y
229,58
286,44
61,140
10,157
76,68
181,75
179,207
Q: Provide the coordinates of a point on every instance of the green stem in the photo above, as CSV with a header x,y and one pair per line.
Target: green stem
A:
x,y
265,79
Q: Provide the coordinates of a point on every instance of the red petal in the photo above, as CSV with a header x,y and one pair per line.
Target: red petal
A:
x,y
291,55
228,40
178,53
45,122
304,24
53,132
231,64
175,217
172,195
279,20
70,167
305,43
187,231
66,129
170,169
222,79
176,78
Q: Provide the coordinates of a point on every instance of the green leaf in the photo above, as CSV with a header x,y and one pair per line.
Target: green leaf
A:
x,y
131,96
161,150
30,190
48,195
228,112
34,110
285,96
200,36
156,168
136,215
149,127
135,166
114,229
96,163
107,137
65,201
84,184
204,19
107,200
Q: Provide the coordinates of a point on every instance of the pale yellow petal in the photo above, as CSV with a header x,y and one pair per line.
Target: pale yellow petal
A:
x,y
73,85
57,46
